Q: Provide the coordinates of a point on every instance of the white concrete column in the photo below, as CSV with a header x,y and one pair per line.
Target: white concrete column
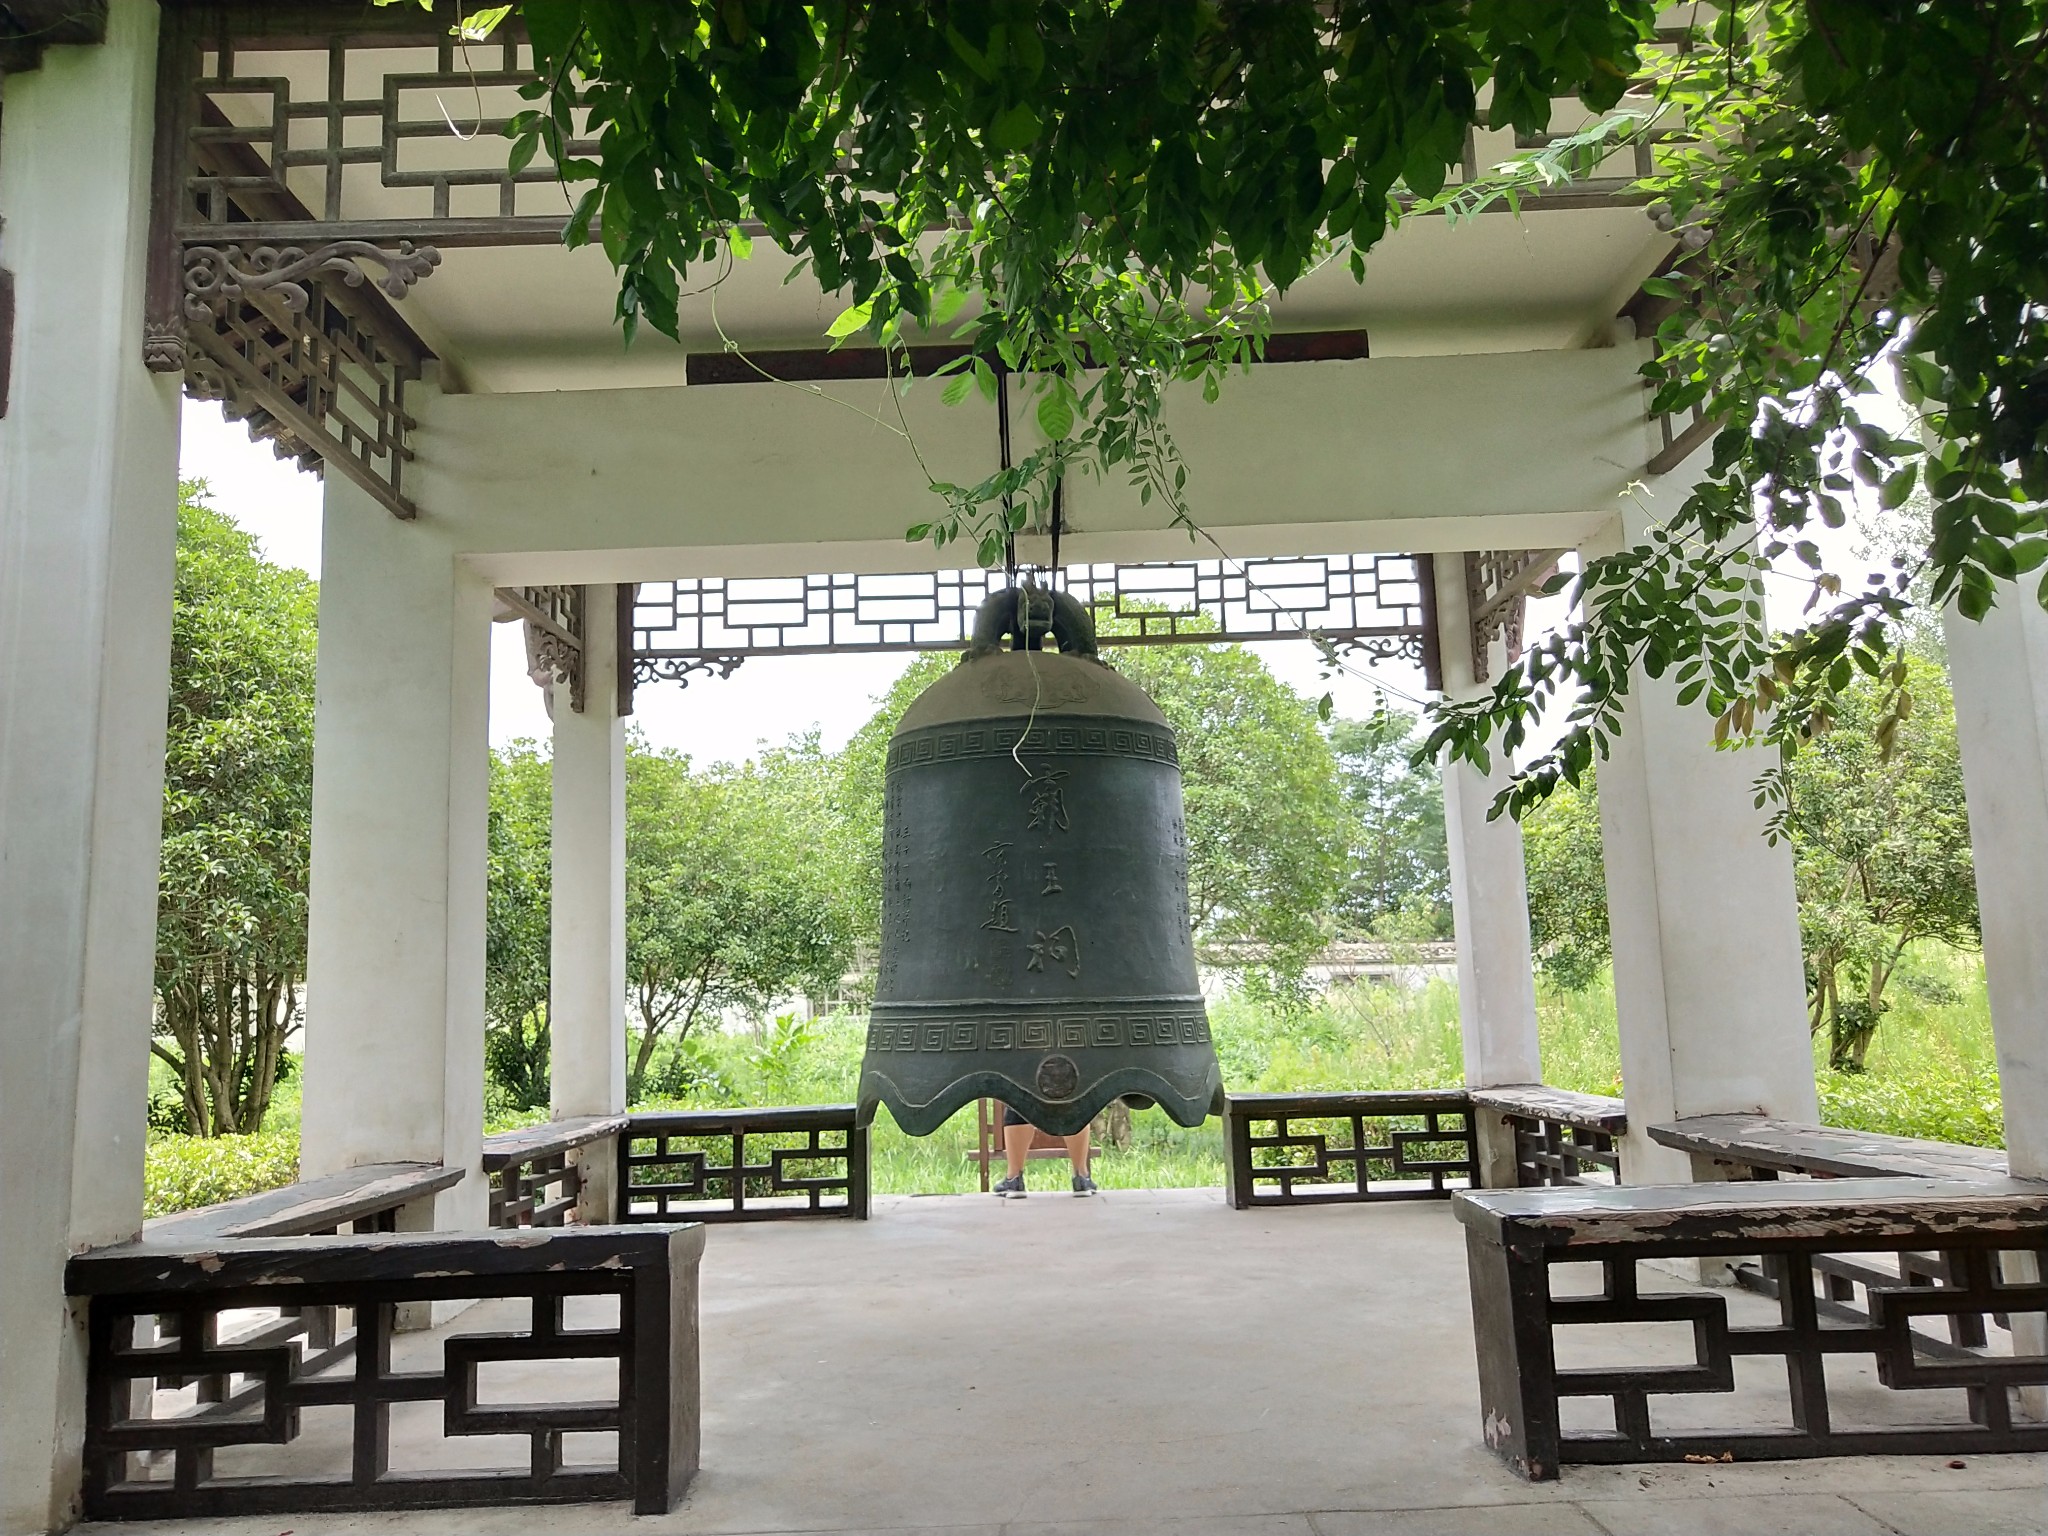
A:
x,y
1999,670
587,912
1489,885
1708,978
401,793
88,526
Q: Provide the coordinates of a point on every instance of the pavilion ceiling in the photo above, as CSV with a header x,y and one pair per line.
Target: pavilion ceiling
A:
x,y
334,213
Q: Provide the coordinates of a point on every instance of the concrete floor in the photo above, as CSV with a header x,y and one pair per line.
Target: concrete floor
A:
x,y
1154,1363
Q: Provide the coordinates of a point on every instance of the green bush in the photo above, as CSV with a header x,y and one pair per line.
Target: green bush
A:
x,y
183,1172
1932,1068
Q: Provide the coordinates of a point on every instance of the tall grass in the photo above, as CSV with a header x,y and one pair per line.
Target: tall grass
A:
x,y
1359,1037
1931,1072
1932,1069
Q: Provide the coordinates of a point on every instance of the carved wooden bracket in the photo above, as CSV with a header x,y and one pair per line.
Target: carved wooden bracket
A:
x,y
1497,585
554,634
219,275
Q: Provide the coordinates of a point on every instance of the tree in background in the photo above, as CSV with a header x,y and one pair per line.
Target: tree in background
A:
x,y
858,797
1883,844
516,926
739,888
238,782
1562,853
1881,853
1266,821
1399,864
1267,827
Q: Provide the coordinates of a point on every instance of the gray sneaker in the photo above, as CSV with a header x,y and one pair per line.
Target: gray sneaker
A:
x,y
1009,1189
1083,1185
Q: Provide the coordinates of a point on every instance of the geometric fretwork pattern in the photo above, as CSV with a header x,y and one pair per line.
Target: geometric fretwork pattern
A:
x,y
323,383
536,1192
1549,1152
1497,586
1381,604
1305,1149
1809,1292
707,1165
387,117
554,618
265,1381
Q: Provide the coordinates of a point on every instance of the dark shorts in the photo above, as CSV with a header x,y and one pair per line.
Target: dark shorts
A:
x,y
1011,1117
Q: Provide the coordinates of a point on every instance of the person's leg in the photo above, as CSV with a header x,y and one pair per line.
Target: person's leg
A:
x,y
1016,1147
1077,1154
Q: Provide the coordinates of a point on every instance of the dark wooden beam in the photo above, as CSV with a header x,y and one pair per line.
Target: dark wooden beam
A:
x,y
27,27
6,335
810,365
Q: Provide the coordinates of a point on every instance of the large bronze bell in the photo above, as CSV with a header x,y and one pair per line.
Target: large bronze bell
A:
x,y
1035,938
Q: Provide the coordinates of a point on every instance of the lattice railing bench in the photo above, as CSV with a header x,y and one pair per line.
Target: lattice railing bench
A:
x,y
1994,1236
1532,1136
548,1175
1328,1148
1759,1147
265,1332
743,1164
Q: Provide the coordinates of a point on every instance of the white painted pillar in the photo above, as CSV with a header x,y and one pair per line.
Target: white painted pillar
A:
x,y
1708,978
1489,885
401,793
1999,670
587,912
88,497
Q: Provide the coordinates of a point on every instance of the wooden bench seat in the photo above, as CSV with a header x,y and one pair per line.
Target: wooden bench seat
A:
x,y
548,1138
1536,1101
1759,1146
366,1198
1532,1135
1991,1233
534,1180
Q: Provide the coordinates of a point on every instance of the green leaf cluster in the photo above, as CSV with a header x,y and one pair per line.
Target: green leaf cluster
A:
x,y
517,928
738,892
237,820
1884,861
1118,185
1863,199
1103,196
182,1173
1564,864
1880,838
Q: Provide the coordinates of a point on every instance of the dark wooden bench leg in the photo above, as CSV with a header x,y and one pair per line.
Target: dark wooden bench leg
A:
x,y
1517,1363
1237,1157
663,1376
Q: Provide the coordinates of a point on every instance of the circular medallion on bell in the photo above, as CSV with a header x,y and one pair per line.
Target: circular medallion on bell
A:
x,y
1058,1077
